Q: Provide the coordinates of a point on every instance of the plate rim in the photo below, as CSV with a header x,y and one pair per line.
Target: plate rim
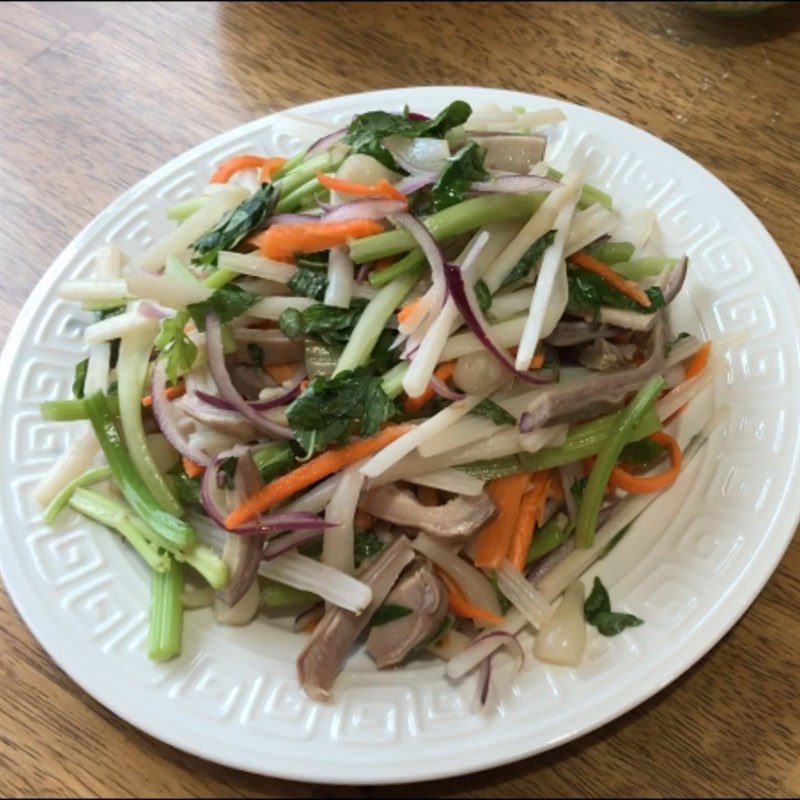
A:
x,y
776,546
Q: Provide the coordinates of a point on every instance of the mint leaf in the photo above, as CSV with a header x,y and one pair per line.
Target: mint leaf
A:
x,y
227,303
484,295
79,381
597,611
331,325
497,414
462,169
588,292
178,349
309,282
531,258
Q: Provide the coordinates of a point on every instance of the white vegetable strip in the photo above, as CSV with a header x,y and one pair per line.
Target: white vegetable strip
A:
x,y
330,584
450,480
530,603
506,334
471,581
108,262
562,639
256,266
688,390
210,440
134,356
98,368
116,327
273,307
534,441
340,278
538,225
588,225
167,291
164,454
469,658
550,293
93,291
686,348
76,460
429,353
337,543
189,231
393,452
507,305
635,227
315,499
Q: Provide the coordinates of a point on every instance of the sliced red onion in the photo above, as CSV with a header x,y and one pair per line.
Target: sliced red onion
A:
x,y
257,405
162,411
516,184
325,142
283,219
430,249
674,281
417,117
153,311
484,684
467,303
219,371
368,208
314,612
364,271
443,390
416,182
484,675
290,541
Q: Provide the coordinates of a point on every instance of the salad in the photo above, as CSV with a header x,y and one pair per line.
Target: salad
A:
x,y
402,388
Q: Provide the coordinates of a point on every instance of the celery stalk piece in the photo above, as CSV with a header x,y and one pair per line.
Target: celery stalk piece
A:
x,y
466,216
218,279
293,200
166,613
372,322
118,516
643,267
134,359
582,441
180,211
607,457
177,270
61,500
392,381
207,563
409,263
611,252
589,194
71,410
276,593
324,162
170,531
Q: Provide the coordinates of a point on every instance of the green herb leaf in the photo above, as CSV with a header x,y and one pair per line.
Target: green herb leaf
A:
x,y
578,488
389,612
496,413
179,350
187,489
643,452
79,381
332,409
587,292
366,545
309,282
462,169
273,460
227,303
597,611
256,353
484,295
366,131
531,258
235,225
333,326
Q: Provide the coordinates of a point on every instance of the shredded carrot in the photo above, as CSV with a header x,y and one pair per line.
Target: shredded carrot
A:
x,y
699,362
270,167
444,372
612,278
285,240
405,312
281,372
384,263
191,468
172,392
554,487
312,471
460,605
229,168
380,189
530,516
537,361
639,484
495,537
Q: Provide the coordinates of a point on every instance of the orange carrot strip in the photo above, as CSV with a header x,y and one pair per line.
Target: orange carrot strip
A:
x,y
384,263
284,241
530,512
638,484
495,537
698,363
281,372
380,189
625,286
537,361
171,393
229,168
270,167
191,468
460,605
444,372
405,312
312,471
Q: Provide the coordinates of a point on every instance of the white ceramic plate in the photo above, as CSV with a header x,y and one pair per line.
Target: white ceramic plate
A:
x,y
690,568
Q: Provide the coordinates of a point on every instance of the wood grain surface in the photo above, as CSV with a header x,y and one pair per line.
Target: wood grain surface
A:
x,y
96,95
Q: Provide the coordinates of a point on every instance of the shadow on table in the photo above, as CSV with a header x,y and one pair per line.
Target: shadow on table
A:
x,y
685,25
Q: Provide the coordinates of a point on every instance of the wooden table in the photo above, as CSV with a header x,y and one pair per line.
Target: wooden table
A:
x,y
96,95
